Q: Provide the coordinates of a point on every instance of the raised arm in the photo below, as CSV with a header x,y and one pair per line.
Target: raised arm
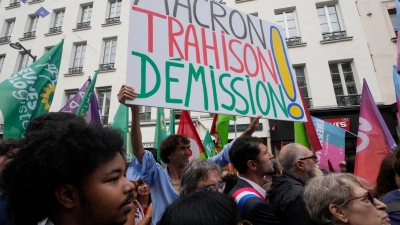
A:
x,y
254,123
128,93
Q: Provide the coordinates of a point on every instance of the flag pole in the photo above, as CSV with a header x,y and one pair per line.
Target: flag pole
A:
x,y
351,133
235,129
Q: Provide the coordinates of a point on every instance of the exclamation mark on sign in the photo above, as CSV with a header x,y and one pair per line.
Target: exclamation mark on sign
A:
x,y
282,63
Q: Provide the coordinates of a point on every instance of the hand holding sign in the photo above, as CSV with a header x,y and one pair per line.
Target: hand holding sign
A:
x,y
254,123
126,93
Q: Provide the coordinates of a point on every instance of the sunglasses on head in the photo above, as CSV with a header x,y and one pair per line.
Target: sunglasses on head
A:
x,y
369,196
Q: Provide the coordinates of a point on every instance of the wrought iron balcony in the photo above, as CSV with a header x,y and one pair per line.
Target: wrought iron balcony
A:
x,y
106,66
30,34
113,20
104,119
15,4
334,36
348,100
55,30
32,1
5,39
83,25
308,102
145,116
75,70
293,41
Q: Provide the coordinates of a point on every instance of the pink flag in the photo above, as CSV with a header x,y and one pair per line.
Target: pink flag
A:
x,y
374,140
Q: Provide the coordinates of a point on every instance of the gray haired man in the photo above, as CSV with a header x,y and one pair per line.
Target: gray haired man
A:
x,y
287,190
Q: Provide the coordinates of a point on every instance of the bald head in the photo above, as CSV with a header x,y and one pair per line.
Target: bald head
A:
x,y
290,153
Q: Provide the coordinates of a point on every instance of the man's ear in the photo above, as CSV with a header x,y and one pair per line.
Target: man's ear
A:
x,y
299,165
67,195
338,213
251,165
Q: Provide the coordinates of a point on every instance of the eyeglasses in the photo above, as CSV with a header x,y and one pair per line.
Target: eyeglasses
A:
x,y
314,157
369,196
219,188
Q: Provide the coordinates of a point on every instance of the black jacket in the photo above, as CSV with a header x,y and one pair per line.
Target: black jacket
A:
x,y
255,210
286,199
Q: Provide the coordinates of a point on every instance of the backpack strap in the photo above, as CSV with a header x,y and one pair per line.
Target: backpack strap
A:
x,y
242,195
393,207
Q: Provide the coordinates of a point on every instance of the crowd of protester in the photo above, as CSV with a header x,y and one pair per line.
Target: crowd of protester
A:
x,y
67,172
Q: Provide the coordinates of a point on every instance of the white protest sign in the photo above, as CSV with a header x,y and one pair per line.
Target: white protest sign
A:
x,y
202,56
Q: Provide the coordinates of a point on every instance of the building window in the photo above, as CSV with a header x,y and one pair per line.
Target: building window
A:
x,y
329,23
79,58
391,8
32,26
114,13
7,34
2,58
302,83
110,48
85,17
58,21
344,84
15,3
145,113
104,96
69,94
24,62
287,20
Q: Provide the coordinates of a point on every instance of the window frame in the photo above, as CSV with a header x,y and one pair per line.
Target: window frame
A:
x,y
2,59
285,21
303,66
82,55
102,92
34,20
389,23
56,22
328,19
71,93
109,53
8,31
89,15
118,4
343,80
23,56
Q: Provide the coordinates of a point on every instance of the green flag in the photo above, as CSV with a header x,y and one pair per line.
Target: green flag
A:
x,y
223,128
300,135
121,123
209,145
85,103
29,92
171,127
161,131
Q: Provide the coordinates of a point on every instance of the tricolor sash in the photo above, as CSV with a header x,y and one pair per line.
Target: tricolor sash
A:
x,y
242,195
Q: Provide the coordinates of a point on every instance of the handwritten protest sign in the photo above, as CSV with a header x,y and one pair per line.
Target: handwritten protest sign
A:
x,y
202,56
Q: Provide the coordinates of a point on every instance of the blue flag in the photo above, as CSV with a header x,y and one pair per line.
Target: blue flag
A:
x,y
42,12
398,13
24,1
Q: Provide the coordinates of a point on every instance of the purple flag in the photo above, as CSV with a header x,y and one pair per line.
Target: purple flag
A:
x,y
73,104
24,1
42,12
93,114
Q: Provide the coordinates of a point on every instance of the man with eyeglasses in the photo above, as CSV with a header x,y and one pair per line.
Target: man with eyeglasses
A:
x,y
252,160
287,190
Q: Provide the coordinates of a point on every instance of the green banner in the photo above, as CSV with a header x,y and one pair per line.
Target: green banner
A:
x,y
29,92
209,145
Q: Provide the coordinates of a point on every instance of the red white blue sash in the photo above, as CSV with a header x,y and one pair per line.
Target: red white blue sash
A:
x,y
243,194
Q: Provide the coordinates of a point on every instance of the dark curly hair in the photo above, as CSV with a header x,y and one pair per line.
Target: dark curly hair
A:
x,y
169,145
58,148
7,145
244,149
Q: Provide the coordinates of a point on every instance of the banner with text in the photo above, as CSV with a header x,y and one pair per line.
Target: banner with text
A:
x,y
202,56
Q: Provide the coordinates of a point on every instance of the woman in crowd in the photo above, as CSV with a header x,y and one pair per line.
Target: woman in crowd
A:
x,y
141,214
392,198
338,199
202,208
386,180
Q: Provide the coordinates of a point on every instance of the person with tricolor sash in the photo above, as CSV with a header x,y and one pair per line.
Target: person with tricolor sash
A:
x,y
164,183
252,160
